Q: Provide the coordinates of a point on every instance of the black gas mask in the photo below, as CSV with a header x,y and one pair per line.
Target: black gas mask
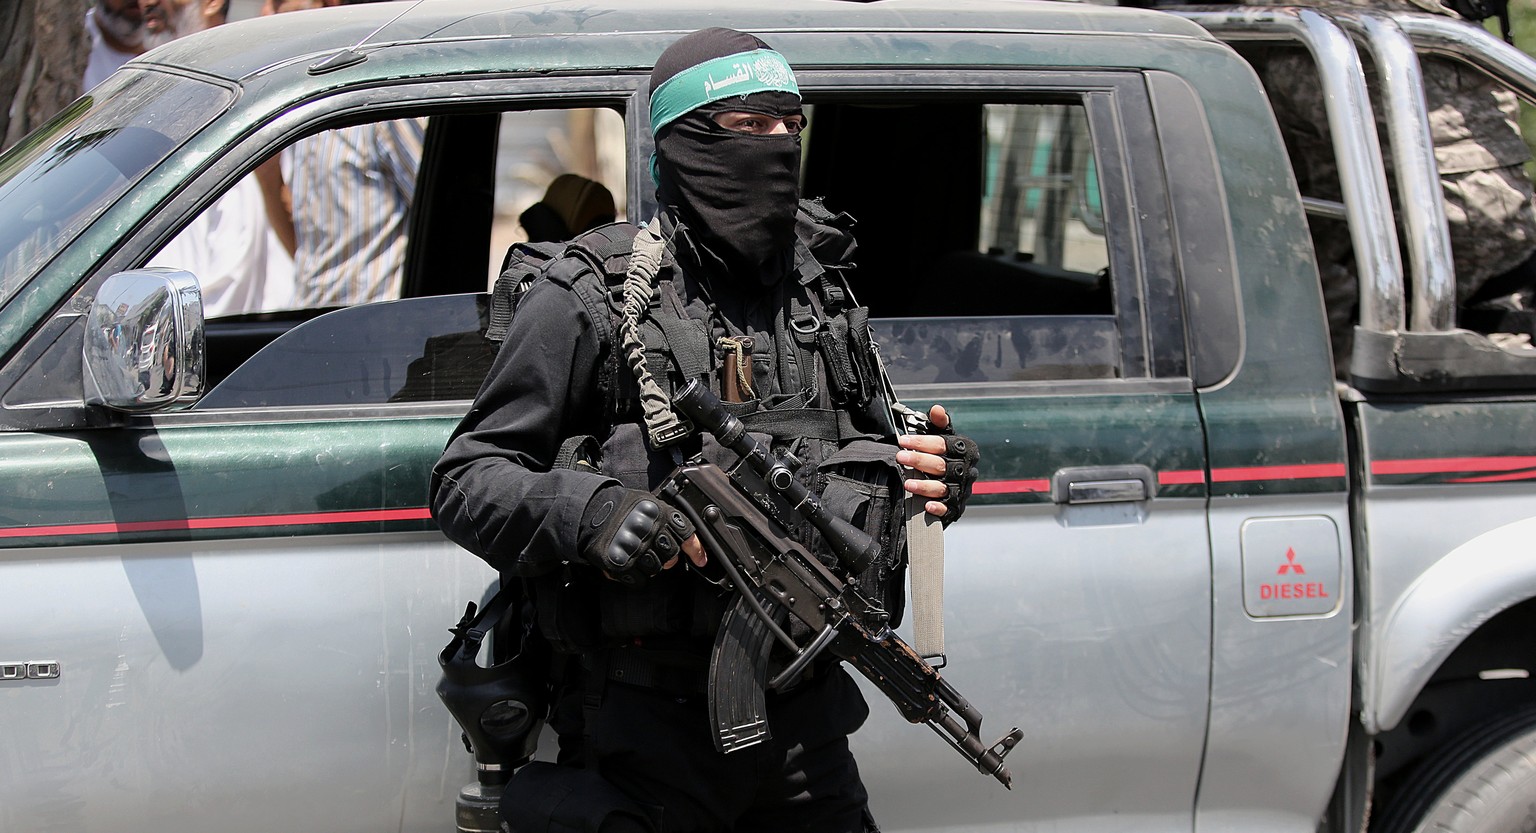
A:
x,y
500,707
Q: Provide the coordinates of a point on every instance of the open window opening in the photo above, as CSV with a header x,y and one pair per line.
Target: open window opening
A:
x,y
995,246
984,250
477,182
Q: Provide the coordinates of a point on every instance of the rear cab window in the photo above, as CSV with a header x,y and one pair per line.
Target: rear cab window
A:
x,y
997,245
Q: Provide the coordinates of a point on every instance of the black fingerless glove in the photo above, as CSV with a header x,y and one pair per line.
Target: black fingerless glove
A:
x,y
630,534
960,458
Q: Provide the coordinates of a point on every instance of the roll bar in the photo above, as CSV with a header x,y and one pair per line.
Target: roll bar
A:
x,y
1407,336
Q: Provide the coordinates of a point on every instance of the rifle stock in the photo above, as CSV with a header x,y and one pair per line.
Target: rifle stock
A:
x,y
770,571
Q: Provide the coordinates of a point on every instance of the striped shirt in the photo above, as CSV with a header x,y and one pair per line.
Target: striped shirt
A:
x,y
351,201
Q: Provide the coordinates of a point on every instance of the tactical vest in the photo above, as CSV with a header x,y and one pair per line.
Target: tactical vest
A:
x,y
836,422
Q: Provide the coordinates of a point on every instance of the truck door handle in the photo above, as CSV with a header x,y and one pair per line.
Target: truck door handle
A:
x,y
1102,484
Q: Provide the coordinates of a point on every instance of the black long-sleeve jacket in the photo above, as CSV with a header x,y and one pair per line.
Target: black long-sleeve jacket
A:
x,y
493,491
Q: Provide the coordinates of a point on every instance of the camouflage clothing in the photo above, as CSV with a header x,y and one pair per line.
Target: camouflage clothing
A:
x,y
1474,124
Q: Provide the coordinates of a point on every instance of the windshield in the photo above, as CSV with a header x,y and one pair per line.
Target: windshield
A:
x,y
62,177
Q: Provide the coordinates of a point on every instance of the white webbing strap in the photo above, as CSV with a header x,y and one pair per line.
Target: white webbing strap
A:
x,y
925,553
925,557
661,423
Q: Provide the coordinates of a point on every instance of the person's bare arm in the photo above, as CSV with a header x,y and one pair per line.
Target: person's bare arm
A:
x,y
278,201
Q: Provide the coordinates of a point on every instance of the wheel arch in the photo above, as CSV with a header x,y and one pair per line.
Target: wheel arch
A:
x,y
1441,610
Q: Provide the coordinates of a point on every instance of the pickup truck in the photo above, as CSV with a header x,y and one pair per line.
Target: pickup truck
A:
x,y
1216,586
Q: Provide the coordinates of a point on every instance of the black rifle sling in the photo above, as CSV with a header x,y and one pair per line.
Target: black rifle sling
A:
x,y
686,340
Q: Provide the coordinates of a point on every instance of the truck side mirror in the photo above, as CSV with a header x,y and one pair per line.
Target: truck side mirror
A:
x,y
144,342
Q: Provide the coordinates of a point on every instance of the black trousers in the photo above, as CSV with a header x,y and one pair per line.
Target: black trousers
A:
x,y
656,748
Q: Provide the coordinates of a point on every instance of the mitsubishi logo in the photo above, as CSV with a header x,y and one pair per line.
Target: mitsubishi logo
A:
x,y
1290,564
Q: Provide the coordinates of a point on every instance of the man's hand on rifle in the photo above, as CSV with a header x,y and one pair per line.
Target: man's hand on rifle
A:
x,y
633,535
692,548
949,460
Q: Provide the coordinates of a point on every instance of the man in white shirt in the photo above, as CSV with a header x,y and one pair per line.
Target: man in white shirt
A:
x,y
230,247
115,28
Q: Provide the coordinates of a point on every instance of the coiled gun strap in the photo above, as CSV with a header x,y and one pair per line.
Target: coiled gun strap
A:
x,y
662,425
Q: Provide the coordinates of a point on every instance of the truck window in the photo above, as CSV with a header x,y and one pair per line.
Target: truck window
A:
x,y
984,238
343,196
1000,252
412,350
479,185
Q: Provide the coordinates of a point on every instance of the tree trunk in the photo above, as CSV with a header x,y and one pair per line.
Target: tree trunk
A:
x,y
43,51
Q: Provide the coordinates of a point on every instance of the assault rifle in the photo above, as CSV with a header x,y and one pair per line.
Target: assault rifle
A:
x,y
742,517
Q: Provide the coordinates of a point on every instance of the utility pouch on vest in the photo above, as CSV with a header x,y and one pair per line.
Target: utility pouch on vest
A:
x,y
848,352
861,482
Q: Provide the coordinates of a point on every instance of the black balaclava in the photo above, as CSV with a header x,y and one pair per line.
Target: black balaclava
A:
x,y
737,192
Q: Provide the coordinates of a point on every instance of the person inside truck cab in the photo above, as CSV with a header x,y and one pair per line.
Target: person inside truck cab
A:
x,y
747,305
571,205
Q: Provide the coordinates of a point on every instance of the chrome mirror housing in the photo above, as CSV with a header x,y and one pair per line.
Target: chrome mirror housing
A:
x,y
143,347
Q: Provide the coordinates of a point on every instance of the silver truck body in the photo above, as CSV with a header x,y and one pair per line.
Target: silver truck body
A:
x,y
229,616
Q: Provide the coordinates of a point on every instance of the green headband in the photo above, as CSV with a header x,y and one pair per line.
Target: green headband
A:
x,y
758,71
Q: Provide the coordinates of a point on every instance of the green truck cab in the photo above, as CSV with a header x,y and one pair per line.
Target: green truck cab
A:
x,y
1216,587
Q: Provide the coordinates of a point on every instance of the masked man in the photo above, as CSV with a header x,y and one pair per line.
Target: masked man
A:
x,y
748,297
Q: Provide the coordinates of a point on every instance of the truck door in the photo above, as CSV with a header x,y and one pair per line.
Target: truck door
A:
x,y
1018,266
1276,456
233,613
